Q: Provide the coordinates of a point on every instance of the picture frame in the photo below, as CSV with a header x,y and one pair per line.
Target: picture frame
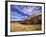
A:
x,y
7,20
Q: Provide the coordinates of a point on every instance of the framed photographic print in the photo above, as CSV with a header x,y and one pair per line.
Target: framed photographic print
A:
x,y
24,18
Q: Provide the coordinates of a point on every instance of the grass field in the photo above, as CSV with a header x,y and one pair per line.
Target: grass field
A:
x,y
17,27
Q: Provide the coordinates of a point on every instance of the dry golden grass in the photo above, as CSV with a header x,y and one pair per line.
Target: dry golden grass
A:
x,y
17,27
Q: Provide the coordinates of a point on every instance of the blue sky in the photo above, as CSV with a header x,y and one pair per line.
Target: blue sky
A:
x,y
20,12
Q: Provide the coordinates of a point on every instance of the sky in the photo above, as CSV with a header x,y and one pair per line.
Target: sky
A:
x,y
21,12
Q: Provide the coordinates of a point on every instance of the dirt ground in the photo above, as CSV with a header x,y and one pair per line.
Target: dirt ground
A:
x,y
17,27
